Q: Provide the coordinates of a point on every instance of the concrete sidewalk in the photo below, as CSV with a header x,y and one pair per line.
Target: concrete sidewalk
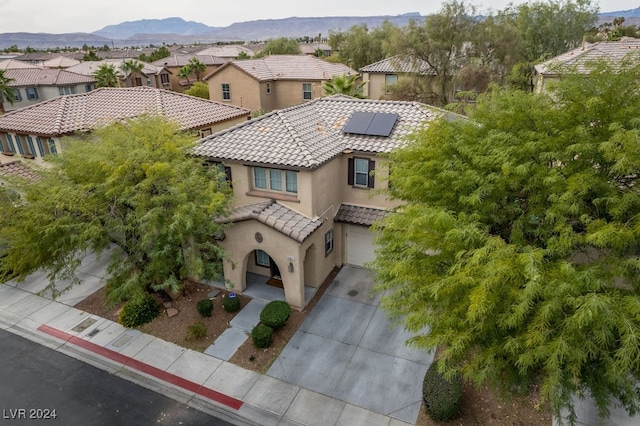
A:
x,y
199,380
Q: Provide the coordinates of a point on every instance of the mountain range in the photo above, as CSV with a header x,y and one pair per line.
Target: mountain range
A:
x,y
176,30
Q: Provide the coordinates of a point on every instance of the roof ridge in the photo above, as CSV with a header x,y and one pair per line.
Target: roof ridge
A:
x,y
304,149
60,114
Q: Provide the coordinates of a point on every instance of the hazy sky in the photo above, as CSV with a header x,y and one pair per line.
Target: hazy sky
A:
x,y
65,16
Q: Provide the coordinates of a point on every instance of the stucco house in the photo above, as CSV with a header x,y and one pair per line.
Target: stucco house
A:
x,y
35,131
150,75
34,85
176,61
576,60
382,75
273,82
306,187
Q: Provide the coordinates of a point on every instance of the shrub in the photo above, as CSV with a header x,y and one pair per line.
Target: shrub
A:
x,y
231,303
275,314
139,311
197,330
441,397
261,335
205,306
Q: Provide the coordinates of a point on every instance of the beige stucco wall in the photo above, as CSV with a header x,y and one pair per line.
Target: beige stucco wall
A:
x,y
289,92
44,93
245,90
375,86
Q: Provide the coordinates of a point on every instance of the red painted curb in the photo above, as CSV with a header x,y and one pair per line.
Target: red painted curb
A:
x,y
145,368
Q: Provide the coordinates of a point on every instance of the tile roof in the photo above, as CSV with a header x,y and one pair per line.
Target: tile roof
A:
x,y
358,215
310,134
289,67
179,60
276,216
7,64
73,113
19,169
228,51
61,62
399,64
90,67
44,77
579,58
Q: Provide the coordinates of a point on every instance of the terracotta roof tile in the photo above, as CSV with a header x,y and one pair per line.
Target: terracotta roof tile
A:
x,y
358,215
87,111
19,169
278,217
310,134
399,64
292,67
44,77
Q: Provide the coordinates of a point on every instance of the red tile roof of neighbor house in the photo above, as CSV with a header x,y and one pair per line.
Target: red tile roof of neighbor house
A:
x,y
44,77
18,169
87,111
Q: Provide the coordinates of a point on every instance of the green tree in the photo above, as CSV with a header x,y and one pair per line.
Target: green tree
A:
x,y
198,89
90,56
242,55
441,42
344,85
159,53
197,67
184,72
7,93
518,238
131,185
130,68
360,46
280,46
107,76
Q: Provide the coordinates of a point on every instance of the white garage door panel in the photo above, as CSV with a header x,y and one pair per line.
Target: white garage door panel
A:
x,y
360,247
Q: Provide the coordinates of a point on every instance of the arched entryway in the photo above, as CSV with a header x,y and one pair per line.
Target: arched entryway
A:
x,y
263,277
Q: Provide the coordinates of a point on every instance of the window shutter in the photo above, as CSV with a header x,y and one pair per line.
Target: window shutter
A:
x,y
372,167
350,171
227,173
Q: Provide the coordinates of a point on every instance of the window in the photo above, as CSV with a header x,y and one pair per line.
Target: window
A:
x,y
328,242
32,93
226,91
69,90
275,179
19,145
12,147
88,88
292,181
40,147
52,146
306,91
164,78
390,79
268,88
359,172
138,81
148,81
262,258
260,177
18,95
32,150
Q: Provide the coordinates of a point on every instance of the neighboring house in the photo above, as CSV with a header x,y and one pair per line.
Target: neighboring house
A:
x,y
306,183
35,132
60,62
176,61
10,63
150,76
34,85
312,47
382,75
229,51
576,60
273,82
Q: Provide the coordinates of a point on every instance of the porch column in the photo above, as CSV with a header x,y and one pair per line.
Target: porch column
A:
x,y
236,276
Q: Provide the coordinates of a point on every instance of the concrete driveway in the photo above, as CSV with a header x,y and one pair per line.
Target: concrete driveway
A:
x,y
348,350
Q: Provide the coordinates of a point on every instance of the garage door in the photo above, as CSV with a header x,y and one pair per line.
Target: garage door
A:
x,y
360,247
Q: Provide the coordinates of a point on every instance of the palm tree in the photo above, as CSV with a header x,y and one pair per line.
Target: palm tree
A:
x,y
106,76
6,92
344,85
197,67
185,72
131,67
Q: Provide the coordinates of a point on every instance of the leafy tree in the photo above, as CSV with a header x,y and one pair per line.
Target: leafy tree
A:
x,y
360,46
159,53
131,185
199,89
131,67
344,85
517,242
7,93
107,76
242,55
184,72
441,42
90,56
280,46
197,67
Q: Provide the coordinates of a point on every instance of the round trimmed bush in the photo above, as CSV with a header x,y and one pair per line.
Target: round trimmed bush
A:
x,y
139,311
275,314
205,306
261,335
231,303
441,397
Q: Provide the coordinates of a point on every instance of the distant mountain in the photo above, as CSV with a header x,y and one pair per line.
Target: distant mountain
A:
x,y
153,26
631,13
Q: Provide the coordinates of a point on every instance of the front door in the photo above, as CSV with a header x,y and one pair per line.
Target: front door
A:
x,y
275,272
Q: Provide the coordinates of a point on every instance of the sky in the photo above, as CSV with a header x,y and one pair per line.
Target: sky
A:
x,y
66,16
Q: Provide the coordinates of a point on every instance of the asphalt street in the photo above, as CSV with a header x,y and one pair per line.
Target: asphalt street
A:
x,y
42,386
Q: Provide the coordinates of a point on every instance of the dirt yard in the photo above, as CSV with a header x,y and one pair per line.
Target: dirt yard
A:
x,y
479,408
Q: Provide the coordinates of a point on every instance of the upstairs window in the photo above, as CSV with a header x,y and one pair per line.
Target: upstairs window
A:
x,y
32,93
359,172
52,146
12,147
268,88
18,95
275,180
307,93
164,78
328,242
226,91
32,150
40,147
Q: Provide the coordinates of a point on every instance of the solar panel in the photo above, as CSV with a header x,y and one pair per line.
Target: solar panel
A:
x,y
371,123
382,124
359,122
